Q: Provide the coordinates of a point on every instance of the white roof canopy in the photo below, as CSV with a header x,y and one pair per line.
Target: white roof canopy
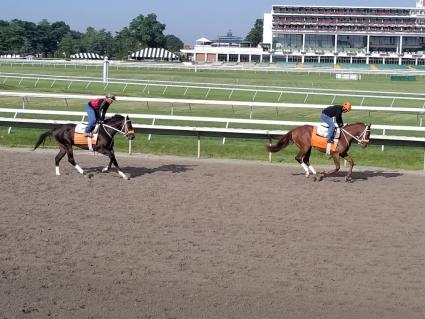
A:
x,y
154,53
87,56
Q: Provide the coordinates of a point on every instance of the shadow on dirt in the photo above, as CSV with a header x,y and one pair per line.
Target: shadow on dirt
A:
x,y
140,171
360,175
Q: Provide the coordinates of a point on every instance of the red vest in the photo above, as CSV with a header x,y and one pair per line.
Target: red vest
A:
x,y
96,103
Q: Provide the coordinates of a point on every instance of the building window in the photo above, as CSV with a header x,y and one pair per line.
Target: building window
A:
x,y
294,58
222,57
233,58
244,58
255,58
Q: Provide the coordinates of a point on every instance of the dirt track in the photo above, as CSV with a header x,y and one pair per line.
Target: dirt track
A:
x,y
207,239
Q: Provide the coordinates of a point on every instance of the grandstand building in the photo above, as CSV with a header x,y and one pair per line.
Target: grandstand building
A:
x,y
326,34
333,35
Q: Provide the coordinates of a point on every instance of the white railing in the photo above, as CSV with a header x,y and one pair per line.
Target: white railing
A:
x,y
229,88
380,139
262,67
415,110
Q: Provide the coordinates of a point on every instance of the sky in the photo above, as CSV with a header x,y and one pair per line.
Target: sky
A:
x,y
187,19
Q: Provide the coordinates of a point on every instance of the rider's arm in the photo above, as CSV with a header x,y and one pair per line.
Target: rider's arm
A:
x,y
103,109
338,118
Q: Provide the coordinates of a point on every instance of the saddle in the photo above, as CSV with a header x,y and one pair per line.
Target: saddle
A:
x,y
80,139
319,138
322,130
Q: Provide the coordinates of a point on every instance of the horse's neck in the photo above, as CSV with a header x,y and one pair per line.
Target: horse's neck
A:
x,y
355,129
115,123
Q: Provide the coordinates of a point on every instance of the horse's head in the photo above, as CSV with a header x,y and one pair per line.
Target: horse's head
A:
x,y
122,124
360,132
129,131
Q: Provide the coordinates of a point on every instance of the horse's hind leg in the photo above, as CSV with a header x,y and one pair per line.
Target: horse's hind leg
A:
x,y
307,162
72,161
301,157
58,158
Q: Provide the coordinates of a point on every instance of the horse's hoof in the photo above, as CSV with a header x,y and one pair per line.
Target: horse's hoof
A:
x,y
349,179
105,170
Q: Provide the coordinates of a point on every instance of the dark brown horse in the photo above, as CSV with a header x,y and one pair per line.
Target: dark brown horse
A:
x,y
302,137
64,136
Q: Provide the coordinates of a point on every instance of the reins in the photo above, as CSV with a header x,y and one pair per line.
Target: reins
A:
x,y
123,130
361,139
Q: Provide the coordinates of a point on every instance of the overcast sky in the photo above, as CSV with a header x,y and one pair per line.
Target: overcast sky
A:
x,y
186,19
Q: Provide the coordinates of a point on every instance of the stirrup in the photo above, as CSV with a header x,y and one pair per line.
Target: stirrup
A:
x,y
328,149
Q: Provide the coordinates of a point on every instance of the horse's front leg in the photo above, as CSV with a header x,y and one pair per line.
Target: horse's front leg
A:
x,y
113,160
350,161
336,159
108,167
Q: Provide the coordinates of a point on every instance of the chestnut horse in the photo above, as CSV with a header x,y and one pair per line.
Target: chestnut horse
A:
x,y
301,136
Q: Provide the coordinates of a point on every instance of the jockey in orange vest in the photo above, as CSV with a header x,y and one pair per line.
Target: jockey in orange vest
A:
x,y
96,110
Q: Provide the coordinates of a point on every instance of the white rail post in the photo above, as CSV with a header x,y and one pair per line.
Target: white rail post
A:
x,y
270,153
16,114
150,135
383,146
199,146
105,70
224,138
129,147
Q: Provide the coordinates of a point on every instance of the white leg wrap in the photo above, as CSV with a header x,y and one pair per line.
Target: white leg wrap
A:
x,y
123,175
79,169
312,169
304,165
57,171
105,169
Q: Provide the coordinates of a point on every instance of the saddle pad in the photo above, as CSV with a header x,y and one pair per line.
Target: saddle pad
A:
x,y
80,139
80,127
323,131
320,142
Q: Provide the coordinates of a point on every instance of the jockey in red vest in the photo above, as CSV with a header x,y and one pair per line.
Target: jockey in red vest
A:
x,y
96,110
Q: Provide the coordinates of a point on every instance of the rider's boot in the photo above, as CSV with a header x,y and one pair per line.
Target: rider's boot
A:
x,y
328,148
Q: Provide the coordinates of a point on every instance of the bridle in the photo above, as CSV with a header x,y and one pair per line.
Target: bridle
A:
x,y
124,128
362,138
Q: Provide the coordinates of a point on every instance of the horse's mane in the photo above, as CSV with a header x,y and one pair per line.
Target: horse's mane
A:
x,y
114,118
358,123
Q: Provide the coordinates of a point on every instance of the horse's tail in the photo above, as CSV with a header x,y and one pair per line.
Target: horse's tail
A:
x,y
282,142
42,138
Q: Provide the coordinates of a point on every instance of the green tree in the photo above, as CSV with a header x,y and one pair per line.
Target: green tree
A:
x,y
255,36
173,43
147,31
124,43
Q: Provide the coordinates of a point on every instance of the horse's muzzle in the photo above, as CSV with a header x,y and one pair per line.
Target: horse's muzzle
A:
x,y
130,135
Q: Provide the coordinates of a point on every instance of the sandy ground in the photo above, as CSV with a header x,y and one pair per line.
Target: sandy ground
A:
x,y
190,238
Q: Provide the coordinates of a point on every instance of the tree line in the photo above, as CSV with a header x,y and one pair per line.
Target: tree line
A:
x,y
57,40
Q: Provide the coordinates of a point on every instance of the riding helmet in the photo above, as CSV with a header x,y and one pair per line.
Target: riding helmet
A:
x,y
346,106
110,96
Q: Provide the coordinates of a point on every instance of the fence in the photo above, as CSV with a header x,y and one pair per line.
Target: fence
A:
x,y
281,92
210,131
